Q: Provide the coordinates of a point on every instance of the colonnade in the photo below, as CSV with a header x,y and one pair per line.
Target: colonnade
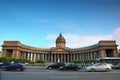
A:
x,y
52,56
56,57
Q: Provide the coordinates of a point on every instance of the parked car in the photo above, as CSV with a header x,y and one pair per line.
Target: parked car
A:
x,y
117,66
55,65
70,67
99,67
110,64
15,66
4,64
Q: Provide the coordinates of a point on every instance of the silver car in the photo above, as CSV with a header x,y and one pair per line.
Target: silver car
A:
x,y
99,67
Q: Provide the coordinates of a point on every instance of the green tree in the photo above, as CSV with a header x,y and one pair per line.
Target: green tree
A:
x,y
43,62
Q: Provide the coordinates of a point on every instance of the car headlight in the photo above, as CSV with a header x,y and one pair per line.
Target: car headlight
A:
x,y
88,68
61,67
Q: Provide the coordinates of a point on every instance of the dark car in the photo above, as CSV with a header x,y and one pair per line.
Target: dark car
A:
x,y
70,67
55,65
15,66
4,64
117,66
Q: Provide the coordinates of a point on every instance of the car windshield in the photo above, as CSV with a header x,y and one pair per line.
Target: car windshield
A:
x,y
69,64
118,64
97,64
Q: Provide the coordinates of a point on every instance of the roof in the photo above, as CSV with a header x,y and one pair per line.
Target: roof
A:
x,y
60,38
86,48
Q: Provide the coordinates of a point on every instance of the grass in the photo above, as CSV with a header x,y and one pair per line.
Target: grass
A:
x,y
37,64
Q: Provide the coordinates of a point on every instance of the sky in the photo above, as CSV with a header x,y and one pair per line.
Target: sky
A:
x,y
38,23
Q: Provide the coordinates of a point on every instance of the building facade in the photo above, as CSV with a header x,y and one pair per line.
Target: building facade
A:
x,y
0,53
61,53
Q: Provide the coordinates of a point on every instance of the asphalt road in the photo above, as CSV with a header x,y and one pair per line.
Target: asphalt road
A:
x,y
44,74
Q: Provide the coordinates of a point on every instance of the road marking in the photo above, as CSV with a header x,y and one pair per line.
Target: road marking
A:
x,y
63,77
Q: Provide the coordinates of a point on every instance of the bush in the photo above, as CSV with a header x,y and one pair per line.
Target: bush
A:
x,y
8,59
43,62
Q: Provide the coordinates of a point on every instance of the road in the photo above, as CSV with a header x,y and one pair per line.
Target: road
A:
x,y
44,74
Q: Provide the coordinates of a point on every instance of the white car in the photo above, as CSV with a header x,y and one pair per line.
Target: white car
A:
x,y
99,67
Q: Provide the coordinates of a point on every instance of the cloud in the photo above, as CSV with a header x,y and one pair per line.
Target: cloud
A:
x,y
51,36
76,41
116,36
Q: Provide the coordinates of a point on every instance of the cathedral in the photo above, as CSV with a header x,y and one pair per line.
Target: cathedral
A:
x,y
15,49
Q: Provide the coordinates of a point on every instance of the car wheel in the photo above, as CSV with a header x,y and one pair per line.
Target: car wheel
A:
x,y
18,69
21,69
64,69
107,69
77,69
4,69
49,68
93,70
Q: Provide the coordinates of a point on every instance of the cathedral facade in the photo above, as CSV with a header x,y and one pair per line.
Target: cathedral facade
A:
x,y
102,49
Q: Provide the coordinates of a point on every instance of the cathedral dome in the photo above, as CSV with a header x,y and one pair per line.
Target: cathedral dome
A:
x,y
60,38
60,41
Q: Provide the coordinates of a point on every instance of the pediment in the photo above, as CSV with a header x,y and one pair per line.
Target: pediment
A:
x,y
59,50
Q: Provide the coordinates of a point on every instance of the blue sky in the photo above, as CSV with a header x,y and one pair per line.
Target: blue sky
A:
x,y
38,22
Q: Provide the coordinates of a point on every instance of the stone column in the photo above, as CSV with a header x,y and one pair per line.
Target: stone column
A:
x,y
34,57
23,55
90,55
58,57
102,53
77,56
43,56
68,57
46,56
38,56
4,52
61,57
86,56
55,57
115,53
95,55
72,57
16,54
28,55
31,55
82,56
51,59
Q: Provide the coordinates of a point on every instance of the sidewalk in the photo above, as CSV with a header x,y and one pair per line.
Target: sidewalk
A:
x,y
35,67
